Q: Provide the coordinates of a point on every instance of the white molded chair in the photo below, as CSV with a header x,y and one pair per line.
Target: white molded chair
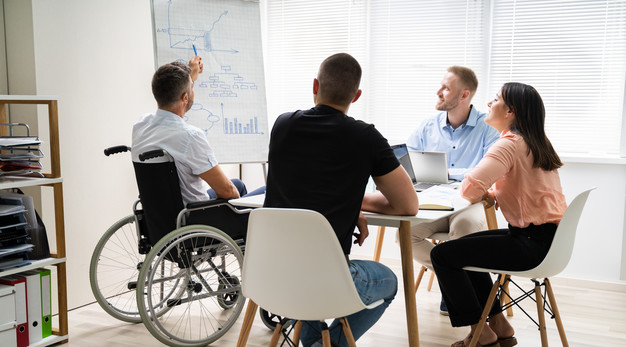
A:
x,y
294,267
555,261
437,238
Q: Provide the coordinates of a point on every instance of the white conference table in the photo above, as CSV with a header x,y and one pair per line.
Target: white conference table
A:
x,y
403,223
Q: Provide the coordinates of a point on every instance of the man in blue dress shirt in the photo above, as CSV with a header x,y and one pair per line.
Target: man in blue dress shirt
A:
x,y
460,131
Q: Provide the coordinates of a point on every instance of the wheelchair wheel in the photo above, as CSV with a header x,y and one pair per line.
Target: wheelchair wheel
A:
x,y
228,299
114,268
200,288
269,319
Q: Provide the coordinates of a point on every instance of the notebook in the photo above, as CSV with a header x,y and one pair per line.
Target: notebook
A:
x,y
426,169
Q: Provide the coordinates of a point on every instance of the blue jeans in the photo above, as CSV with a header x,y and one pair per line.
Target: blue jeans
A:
x,y
373,281
241,187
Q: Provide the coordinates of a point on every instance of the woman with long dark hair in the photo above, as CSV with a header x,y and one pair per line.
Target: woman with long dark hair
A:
x,y
518,174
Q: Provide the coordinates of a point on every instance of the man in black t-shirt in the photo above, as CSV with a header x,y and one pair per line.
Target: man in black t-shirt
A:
x,y
321,159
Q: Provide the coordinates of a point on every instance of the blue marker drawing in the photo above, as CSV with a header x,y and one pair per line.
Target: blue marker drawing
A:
x,y
230,125
179,37
226,84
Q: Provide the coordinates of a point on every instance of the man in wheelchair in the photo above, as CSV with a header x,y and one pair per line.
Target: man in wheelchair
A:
x,y
188,147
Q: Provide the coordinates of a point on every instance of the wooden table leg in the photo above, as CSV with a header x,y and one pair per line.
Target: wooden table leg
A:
x,y
380,236
406,253
246,326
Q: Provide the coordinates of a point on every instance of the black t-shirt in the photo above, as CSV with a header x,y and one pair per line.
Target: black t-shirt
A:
x,y
321,159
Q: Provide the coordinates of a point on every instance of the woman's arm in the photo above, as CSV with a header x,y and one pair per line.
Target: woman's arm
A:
x,y
495,164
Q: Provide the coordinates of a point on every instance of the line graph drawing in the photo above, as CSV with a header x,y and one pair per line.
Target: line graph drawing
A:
x,y
183,38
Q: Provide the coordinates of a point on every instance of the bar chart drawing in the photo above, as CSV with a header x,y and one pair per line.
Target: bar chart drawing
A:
x,y
233,127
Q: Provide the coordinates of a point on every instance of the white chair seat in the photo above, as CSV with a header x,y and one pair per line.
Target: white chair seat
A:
x,y
555,261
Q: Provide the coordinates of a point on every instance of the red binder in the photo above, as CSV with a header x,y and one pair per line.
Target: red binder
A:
x,y
21,307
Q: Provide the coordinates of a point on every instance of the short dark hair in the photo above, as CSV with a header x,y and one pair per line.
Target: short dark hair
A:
x,y
467,77
169,82
339,77
529,122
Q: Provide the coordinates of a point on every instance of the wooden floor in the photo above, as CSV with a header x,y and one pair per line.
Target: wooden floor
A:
x,y
593,315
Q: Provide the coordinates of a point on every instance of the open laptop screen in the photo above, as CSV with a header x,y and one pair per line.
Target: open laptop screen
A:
x,y
402,153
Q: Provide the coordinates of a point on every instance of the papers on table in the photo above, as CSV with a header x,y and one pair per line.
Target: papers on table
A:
x,y
439,198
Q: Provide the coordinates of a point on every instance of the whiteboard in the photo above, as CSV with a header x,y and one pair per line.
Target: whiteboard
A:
x,y
230,104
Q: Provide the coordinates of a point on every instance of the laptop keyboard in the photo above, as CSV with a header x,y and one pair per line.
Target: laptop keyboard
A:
x,y
419,186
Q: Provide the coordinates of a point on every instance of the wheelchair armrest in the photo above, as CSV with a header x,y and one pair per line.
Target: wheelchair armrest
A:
x,y
203,205
193,206
207,203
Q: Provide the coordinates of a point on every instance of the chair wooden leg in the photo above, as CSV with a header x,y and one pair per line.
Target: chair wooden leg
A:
x,y
432,274
348,332
246,326
504,299
380,236
557,315
430,281
276,335
485,314
490,217
326,337
541,315
419,277
297,329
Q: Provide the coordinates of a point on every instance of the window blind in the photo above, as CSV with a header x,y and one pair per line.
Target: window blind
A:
x,y
572,51
412,43
574,54
300,35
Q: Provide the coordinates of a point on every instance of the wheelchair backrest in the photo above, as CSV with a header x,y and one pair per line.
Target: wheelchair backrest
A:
x,y
161,200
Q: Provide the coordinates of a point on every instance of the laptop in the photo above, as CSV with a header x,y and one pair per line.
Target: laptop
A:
x,y
426,169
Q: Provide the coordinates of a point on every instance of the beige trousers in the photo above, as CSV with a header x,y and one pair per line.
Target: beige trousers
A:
x,y
458,224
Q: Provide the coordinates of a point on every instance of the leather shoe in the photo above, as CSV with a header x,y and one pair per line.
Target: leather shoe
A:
x,y
507,341
469,339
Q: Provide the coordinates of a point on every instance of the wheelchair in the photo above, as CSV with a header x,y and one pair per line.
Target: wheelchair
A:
x,y
172,267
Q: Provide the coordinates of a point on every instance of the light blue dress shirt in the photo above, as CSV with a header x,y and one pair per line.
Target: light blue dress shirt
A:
x,y
464,146
187,144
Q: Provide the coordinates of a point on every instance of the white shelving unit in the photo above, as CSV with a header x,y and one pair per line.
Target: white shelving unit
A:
x,y
53,180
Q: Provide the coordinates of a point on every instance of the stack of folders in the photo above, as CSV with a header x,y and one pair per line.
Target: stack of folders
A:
x,y
19,155
31,321
15,241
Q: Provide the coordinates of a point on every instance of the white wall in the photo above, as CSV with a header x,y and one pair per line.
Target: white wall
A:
x,y
97,56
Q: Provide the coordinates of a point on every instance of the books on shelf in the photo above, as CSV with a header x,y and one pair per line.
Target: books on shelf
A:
x,y
26,300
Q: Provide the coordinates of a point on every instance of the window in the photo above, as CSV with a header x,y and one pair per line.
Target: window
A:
x,y
573,52
412,43
300,35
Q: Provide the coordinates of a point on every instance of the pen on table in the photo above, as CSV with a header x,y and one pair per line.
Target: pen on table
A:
x,y
194,49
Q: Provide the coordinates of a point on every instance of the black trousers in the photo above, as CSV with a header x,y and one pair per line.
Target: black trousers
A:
x,y
513,249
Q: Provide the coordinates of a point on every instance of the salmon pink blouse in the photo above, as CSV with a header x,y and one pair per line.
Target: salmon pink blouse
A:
x,y
523,193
